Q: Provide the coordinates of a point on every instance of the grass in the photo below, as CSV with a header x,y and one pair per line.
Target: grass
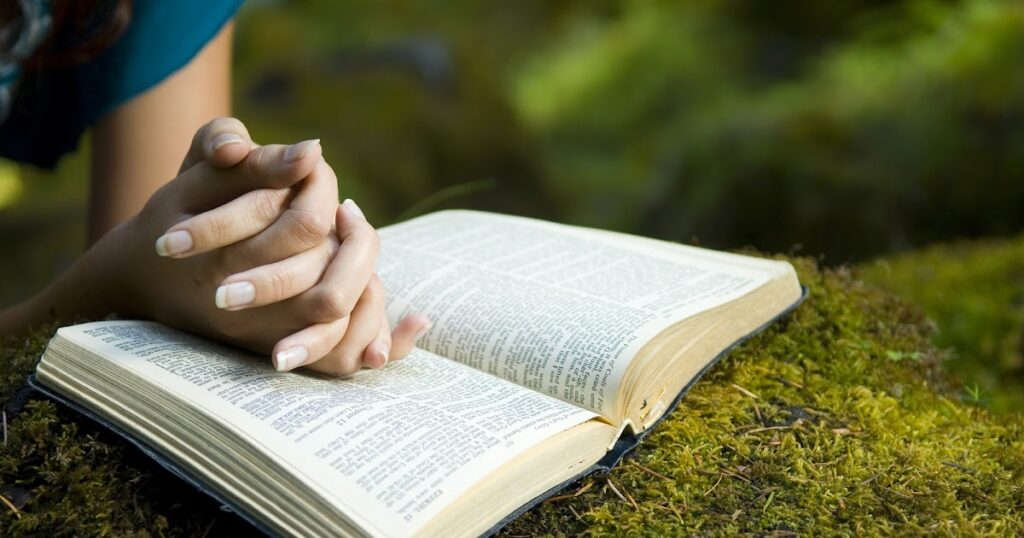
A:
x,y
838,420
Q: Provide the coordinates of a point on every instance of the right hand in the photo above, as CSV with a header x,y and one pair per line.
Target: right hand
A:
x,y
249,257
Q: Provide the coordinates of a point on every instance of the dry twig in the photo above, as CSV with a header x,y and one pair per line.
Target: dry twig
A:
x,y
769,428
616,491
650,471
6,501
579,492
746,392
708,492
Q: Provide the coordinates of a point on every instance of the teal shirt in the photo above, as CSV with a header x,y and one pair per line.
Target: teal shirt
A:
x,y
52,109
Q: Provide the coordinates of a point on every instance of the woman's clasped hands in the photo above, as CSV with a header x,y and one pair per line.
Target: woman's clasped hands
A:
x,y
249,245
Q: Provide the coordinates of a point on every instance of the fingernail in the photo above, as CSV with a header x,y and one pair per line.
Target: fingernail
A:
x,y
224,139
423,330
380,348
350,206
300,149
174,243
235,294
290,358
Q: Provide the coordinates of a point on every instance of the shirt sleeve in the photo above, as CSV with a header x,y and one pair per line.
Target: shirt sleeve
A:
x,y
52,109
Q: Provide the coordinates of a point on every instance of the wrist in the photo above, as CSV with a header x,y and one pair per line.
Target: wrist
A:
x,y
59,302
95,286
106,280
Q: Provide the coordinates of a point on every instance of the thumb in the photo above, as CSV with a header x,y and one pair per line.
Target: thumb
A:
x,y
223,142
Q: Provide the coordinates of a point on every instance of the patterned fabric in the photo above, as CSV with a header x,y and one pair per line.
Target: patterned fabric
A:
x,y
52,108
21,38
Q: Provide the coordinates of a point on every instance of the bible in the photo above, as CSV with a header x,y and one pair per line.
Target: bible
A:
x,y
554,350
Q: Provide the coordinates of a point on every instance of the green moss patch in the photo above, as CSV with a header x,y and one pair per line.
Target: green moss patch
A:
x,y
974,292
838,420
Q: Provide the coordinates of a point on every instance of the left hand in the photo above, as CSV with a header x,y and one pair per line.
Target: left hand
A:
x,y
251,219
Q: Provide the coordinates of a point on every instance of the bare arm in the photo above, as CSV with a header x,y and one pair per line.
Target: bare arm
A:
x,y
128,168
255,218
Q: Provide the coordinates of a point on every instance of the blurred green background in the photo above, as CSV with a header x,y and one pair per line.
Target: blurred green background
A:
x,y
849,130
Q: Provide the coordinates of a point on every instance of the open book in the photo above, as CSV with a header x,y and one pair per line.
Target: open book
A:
x,y
553,350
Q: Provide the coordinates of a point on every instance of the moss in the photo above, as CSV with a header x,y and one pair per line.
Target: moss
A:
x,y
72,482
67,478
838,420
974,291
61,479
855,429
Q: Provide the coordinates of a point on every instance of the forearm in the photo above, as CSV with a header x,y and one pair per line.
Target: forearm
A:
x,y
138,147
86,290
126,169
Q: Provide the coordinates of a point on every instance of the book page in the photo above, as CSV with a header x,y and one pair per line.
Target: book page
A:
x,y
393,446
558,309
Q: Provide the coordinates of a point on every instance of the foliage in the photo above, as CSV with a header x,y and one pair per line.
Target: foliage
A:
x,y
905,132
974,291
852,128
853,428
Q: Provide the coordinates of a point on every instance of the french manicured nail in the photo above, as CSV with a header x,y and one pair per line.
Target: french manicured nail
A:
x,y
224,139
300,149
423,330
290,358
235,294
174,243
350,206
379,349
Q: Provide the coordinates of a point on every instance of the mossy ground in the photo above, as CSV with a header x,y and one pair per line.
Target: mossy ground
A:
x,y
974,291
837,420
